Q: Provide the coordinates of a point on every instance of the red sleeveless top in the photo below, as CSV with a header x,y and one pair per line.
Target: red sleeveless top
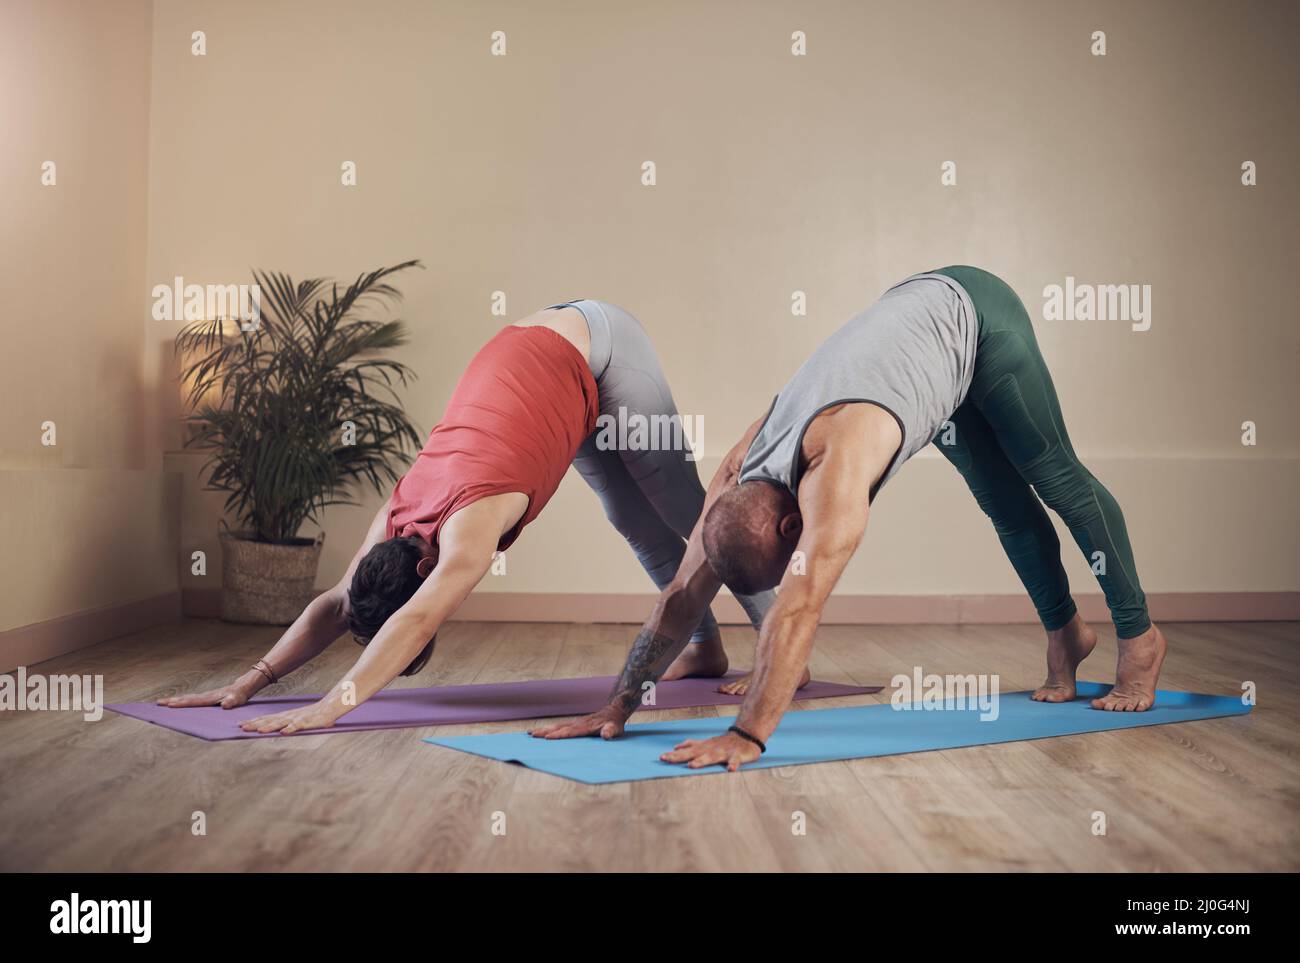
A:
x,y
515,421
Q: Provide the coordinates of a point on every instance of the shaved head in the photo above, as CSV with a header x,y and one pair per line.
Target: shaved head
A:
x,y
749,535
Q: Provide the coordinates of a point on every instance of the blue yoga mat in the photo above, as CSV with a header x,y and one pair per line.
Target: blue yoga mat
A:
x,y
826,735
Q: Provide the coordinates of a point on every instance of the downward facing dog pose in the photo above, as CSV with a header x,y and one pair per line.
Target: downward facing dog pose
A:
x,y
948,356
525,408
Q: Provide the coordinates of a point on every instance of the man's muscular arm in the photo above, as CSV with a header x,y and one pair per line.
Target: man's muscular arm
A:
x,y
833,503
835,518
668,629
666,632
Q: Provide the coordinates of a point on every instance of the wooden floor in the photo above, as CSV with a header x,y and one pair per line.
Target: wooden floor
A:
x,y
119,794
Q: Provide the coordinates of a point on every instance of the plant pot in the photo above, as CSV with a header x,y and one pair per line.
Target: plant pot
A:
x,y
265,583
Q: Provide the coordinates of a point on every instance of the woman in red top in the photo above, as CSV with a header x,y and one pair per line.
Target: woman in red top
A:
x,y
560,387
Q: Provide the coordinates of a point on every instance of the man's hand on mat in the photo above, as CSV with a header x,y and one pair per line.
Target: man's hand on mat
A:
x,y
606,723
315,716
226,696
728,750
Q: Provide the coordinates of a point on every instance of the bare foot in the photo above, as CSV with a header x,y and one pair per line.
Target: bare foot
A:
x,y
1140,659
1066,648
741,685
698,659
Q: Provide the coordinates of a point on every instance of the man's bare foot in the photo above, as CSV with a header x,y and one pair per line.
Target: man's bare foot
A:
x,y
741,685
1066,648
698,659
1140,659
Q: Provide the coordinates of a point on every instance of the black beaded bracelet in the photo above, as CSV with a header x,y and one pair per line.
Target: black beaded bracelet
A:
x,y
752,738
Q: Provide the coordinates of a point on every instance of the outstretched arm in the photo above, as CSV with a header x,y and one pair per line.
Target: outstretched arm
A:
x,y
666,632
833,503
466,543
668,629
316,629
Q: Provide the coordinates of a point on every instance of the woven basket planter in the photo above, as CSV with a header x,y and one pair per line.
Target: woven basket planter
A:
x,y
264,583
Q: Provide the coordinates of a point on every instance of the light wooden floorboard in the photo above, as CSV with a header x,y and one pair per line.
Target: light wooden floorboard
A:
x,y
119,794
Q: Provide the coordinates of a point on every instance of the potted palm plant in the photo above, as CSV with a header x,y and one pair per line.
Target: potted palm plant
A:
x,y
296,410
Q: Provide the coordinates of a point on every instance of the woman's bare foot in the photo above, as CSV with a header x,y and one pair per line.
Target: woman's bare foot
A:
x,y
741,685
1066,648
1140,659
698,659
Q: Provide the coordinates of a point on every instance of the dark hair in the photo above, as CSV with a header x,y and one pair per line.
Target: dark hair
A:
x,y
384,581
742,538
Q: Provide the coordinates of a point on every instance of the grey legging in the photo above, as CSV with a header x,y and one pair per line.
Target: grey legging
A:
x,y
651,494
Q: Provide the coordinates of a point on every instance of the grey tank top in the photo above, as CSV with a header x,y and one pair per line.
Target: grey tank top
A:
x,y
912,353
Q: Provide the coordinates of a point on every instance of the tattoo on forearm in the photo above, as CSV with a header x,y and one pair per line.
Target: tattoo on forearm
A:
x,y
643,665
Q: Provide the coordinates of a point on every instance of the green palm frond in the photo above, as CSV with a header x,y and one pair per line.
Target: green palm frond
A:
x,y
269,406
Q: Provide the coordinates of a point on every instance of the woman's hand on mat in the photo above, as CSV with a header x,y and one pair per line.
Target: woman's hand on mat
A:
x,y
728,750
226,696
606,723
318,715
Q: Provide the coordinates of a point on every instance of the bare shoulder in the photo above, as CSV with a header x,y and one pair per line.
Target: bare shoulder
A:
x,y
856,428
854,442
485,520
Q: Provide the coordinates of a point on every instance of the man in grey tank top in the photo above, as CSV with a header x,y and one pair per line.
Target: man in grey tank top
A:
x,y
950,357
911,353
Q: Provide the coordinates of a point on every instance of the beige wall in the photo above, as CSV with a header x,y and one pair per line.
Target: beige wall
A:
x,y
74,89
775,174
120,530
90,522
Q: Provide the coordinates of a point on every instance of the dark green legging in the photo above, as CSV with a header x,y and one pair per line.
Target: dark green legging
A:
x,y
1010,442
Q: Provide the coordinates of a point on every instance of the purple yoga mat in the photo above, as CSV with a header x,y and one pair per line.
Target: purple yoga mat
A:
x,y
456,704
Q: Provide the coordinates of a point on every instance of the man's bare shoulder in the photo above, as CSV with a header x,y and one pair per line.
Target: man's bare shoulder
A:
x,y
858,429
